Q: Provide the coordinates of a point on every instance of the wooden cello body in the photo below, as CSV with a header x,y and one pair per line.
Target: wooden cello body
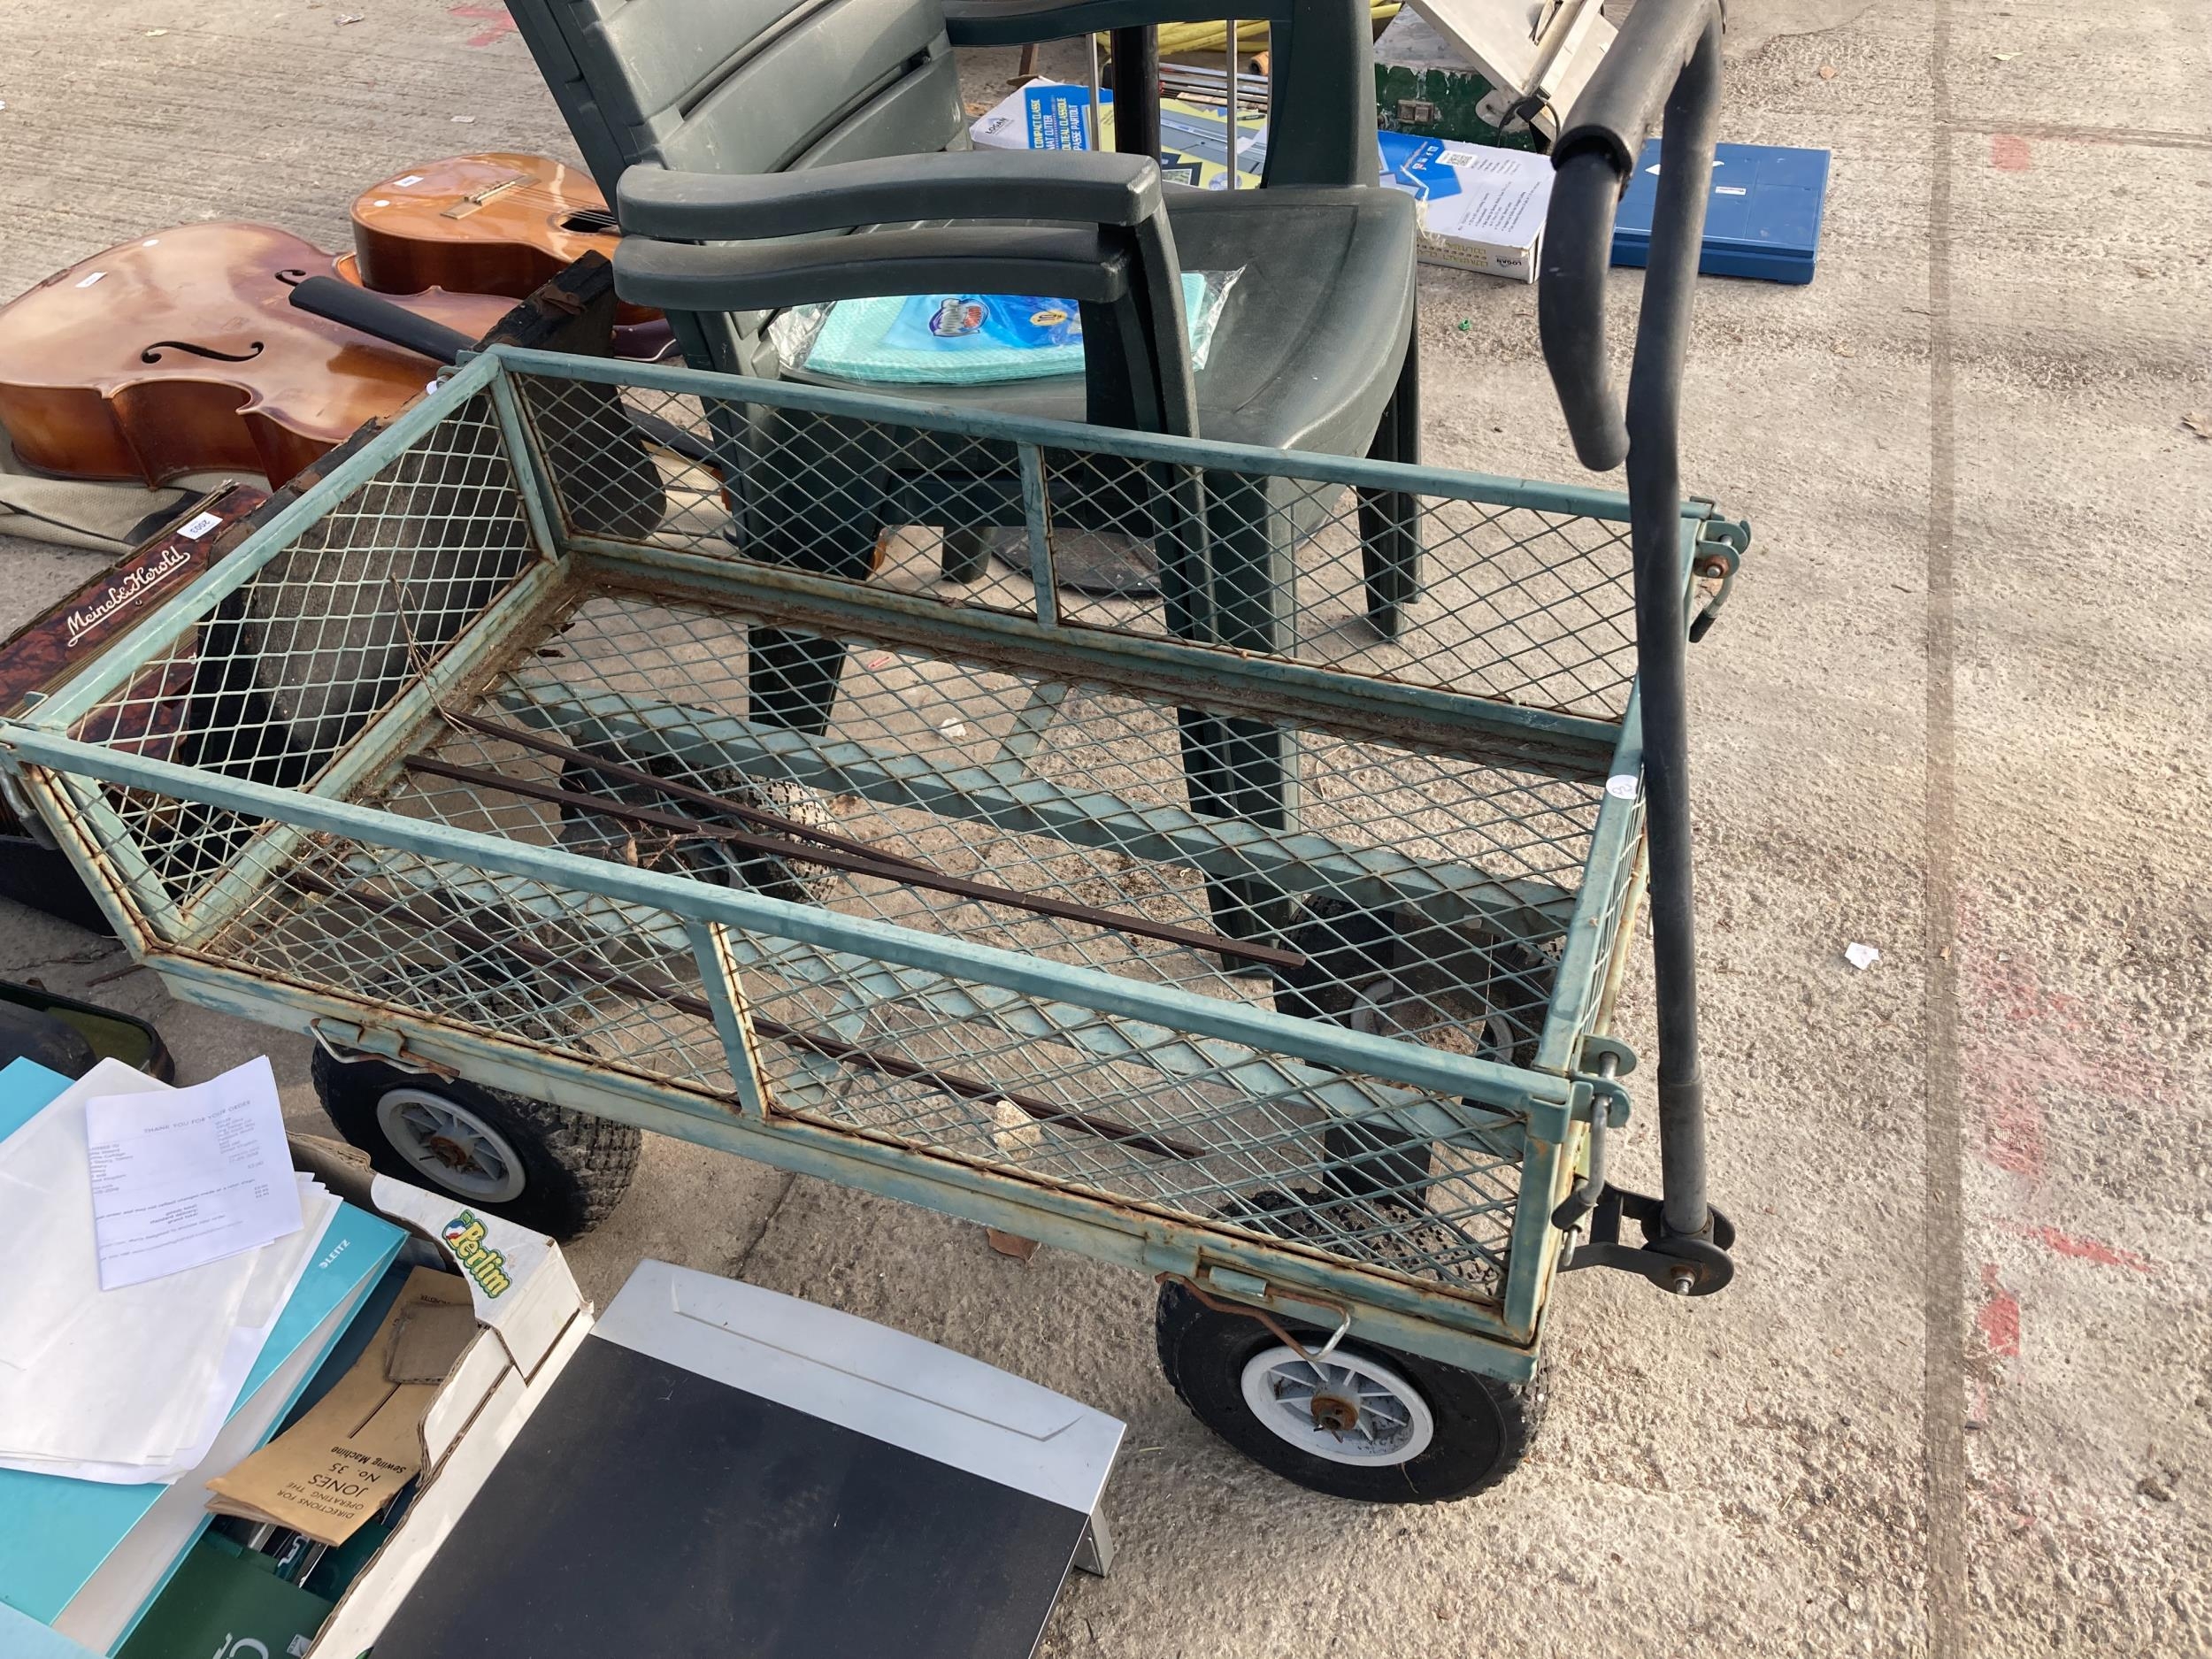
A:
x,y
180,353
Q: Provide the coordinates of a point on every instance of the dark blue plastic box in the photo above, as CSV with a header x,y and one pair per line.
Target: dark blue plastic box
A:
x,y
1762,218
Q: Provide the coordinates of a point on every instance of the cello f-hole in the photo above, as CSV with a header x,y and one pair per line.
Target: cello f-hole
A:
x,y
152,354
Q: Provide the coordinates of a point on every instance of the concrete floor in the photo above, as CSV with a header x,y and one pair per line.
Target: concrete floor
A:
x,y
1959,1400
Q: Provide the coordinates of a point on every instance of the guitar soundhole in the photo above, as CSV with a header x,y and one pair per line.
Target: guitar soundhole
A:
x,y
589,222
152,354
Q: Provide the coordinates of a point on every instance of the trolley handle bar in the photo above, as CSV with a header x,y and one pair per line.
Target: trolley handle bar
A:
x,y
1664,62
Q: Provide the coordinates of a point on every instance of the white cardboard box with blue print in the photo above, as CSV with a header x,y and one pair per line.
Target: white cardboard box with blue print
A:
x,y
1481,209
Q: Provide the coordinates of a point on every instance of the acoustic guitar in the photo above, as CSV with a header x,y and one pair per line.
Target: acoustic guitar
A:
x,y
500,223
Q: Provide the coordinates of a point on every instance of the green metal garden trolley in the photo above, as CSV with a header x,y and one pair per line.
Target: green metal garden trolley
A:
x,y
1282,970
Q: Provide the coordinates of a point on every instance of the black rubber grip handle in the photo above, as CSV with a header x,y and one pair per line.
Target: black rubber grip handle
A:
x,y
374,315
1666,61
1619,105
1663,53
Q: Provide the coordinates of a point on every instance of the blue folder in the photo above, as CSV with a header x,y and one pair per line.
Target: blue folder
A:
x,y
54,1533
1762,218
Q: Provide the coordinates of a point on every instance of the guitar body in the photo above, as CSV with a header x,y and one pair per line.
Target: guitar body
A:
x,y
181,352
502,223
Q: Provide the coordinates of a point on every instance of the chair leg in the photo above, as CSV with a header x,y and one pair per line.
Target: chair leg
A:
x,y
792,679
1234,768
817,485
1390,520
966,554
1237,766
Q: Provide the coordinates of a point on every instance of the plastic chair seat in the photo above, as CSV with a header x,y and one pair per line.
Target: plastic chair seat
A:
x,y
1326,293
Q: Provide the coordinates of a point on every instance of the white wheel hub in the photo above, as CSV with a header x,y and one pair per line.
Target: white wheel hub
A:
x,y
1344,1408
450,1146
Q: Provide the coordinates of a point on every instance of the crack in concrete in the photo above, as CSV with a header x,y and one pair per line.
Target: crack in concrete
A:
x,y
736,1270
1943,1378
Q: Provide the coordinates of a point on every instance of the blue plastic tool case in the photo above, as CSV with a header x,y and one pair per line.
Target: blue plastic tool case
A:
x,y
1762,218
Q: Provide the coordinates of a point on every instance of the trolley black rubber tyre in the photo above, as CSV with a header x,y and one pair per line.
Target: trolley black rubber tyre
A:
x,y
575,1167
1483,1426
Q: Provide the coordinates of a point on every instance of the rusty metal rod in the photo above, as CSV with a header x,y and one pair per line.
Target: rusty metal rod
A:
x,y
959,887
682,791
776,1030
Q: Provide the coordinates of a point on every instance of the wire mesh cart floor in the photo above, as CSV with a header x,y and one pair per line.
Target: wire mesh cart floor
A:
x,y
1261,933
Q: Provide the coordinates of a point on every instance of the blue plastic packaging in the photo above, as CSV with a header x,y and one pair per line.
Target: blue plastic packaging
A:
x,y
966,338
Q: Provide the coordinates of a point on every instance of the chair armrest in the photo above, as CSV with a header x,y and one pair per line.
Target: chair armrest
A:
x,y
1067,186
1083,265
1110,248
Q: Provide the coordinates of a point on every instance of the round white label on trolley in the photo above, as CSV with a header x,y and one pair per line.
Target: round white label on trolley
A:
x,y
1622,786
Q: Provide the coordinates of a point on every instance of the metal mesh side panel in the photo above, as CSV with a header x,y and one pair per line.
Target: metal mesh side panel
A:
x,y
1352,1168
552,966
1211,1132
1402,893
285,671
1499,601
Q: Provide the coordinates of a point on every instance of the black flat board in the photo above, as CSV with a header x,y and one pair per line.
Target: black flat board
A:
x,y
647,1509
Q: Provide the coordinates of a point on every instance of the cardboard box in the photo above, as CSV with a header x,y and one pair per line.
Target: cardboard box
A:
x,y
529,1320
354,1449
1194,137
1029,1462
1481,209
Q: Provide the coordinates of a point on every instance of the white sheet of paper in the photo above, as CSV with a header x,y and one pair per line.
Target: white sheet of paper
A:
x,y
97,1614
116,1376
189,1176
119,1385
278,1270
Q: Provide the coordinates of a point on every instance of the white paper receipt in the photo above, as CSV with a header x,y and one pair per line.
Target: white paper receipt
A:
x,y
189,1176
